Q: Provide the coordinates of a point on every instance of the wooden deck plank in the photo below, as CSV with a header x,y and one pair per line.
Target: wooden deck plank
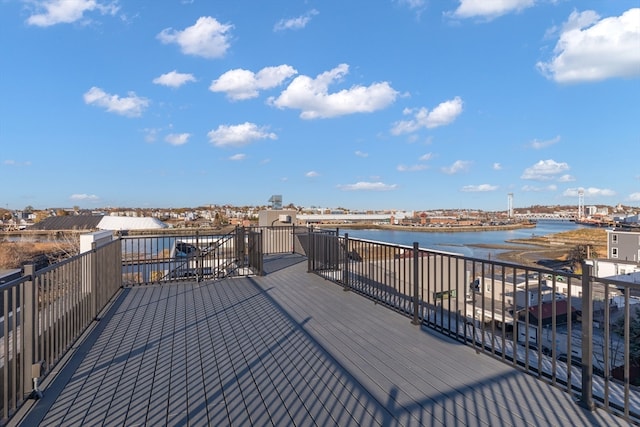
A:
x,y
288,348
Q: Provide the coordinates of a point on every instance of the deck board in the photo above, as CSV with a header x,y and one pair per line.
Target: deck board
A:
x,y
287,348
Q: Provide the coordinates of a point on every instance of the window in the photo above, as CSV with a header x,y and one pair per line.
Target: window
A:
x,y
614,252
614,238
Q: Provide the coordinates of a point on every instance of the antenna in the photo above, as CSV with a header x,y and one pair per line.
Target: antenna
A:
x,y
580,204
510,204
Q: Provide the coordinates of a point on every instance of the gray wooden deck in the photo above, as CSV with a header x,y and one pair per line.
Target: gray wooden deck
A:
x,y
285,349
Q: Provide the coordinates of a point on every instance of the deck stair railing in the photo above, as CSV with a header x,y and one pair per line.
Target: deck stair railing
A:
x,y
162,258
570,330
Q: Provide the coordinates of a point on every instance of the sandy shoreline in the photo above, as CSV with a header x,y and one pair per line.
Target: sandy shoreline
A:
x,y
532,254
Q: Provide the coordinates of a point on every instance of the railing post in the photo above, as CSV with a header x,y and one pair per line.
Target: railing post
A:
x,y
586,400
293,238
93,280
345,270
199,260
28,323
416,283
310,249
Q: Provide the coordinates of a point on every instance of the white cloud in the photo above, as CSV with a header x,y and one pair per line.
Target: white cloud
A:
x,y
311,174
368,186
412,168
130,106
566,178
237,157
84,197
490,9
497,166
537,145
242,84
361,154
457,166
544,170
413,4
634,197
295,23
207,38
238,135
67,11
479,188
589,192
531,188
593,49
445,113
174,79
177,138
16,164
426,157
313,98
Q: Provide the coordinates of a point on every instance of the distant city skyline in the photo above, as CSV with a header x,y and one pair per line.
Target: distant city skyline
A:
x,y
399,104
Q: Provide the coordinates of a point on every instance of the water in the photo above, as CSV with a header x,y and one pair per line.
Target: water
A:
x,y
460,242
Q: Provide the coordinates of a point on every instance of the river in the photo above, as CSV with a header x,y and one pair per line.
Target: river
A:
x,y
462,242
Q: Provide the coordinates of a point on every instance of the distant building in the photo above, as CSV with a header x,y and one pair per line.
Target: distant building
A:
x,y
623,257
623,245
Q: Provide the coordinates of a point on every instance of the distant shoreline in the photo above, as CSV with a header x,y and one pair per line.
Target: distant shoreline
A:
x,y
423,229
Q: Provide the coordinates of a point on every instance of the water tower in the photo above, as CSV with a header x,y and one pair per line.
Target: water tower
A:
x,y
275,201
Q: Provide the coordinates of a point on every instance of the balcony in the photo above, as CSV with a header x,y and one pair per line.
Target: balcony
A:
x,y
286,345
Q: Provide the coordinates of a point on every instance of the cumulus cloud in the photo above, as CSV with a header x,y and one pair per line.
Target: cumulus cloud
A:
x,y
544,170
130,106
368,186
594,49
52,12
445,113
479,188
412,168
634,197
311,174
174,79
490,9
177,138
84,197
497,166
238,135
312,96
457,166
295,23
566,178
207,38
361,154
589,192
242,84
537,144
426,157
237,157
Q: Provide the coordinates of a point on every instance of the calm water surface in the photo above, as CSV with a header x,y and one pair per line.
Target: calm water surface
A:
x,y
459,242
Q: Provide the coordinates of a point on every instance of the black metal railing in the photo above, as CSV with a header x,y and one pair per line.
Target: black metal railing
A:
x,y
162,258
44,312
571,330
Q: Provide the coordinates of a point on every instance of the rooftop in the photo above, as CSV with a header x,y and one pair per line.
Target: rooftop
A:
x,y
286,348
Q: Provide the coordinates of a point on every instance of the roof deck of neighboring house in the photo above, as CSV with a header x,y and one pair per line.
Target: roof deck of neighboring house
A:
x,y
285,348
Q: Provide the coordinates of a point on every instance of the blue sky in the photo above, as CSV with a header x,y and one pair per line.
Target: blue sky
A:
x,y
386,104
